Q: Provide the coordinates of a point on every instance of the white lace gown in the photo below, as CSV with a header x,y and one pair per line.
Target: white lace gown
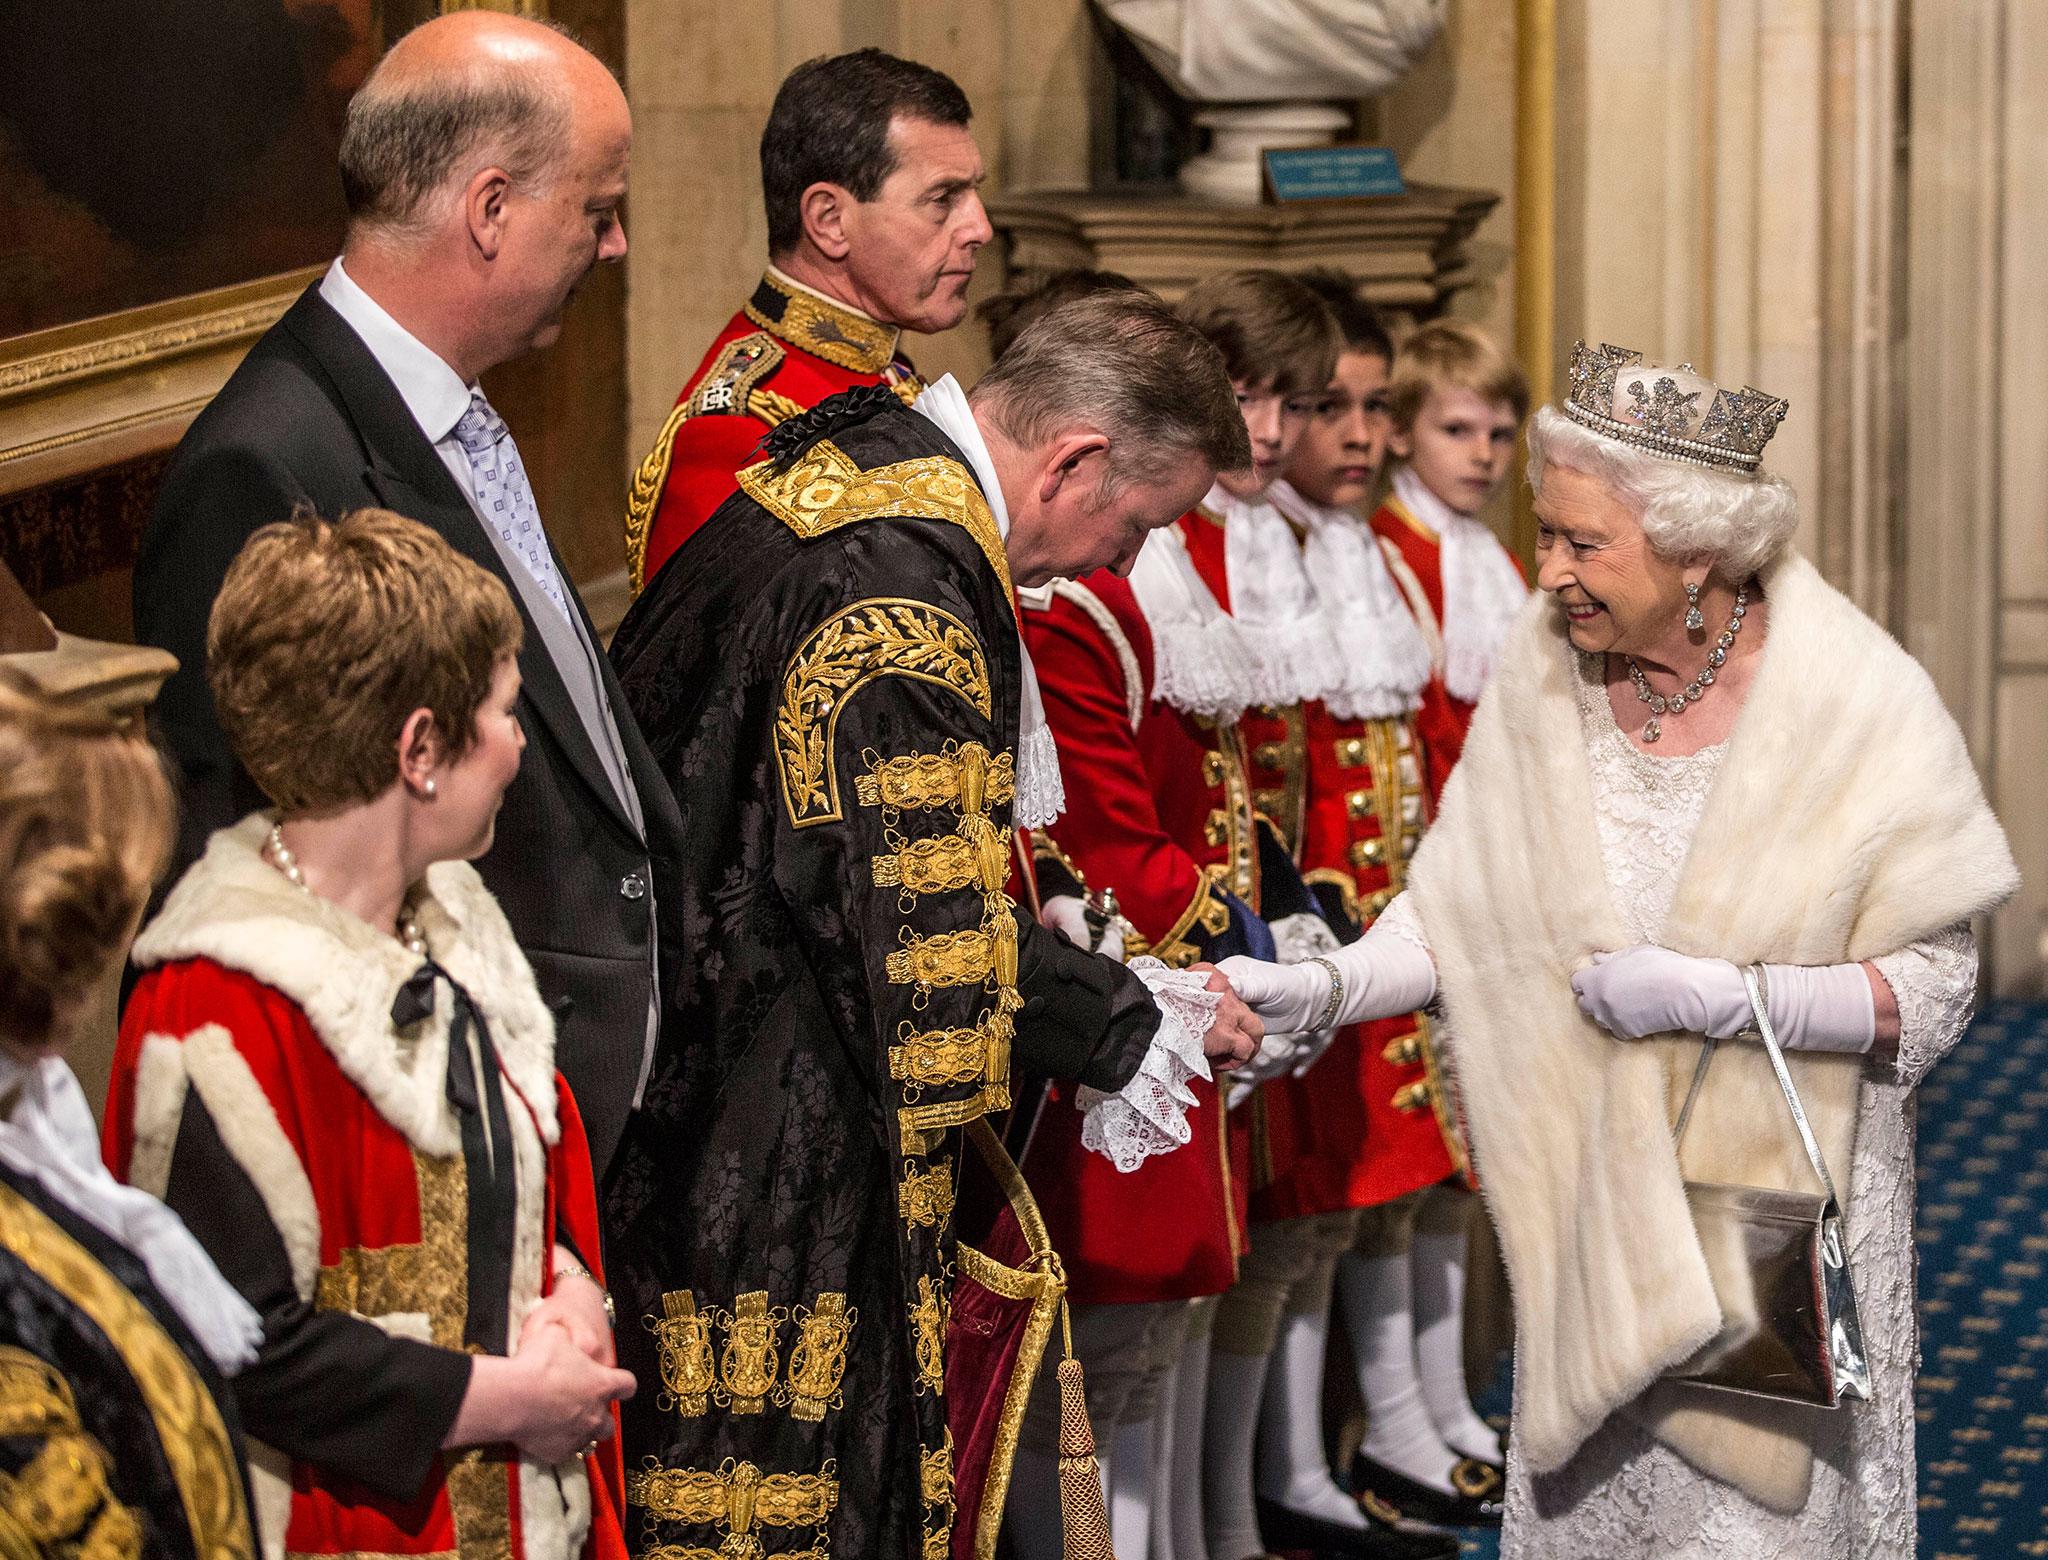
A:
x,y
1627,1496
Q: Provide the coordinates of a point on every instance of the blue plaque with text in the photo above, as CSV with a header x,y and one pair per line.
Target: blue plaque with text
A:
x,y
1333,172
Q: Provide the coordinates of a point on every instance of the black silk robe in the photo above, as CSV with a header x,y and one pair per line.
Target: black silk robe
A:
x,y
117,1437
828,674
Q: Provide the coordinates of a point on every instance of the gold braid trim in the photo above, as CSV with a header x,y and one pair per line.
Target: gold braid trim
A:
x,y
773,407
944,959
747,1364
195,1443
928,1318
925,1198
934,866
824,489
1207,908
922,782
882,636
841,336
922,1126
931,1058
817,1364
682,1335
739,1497
644,496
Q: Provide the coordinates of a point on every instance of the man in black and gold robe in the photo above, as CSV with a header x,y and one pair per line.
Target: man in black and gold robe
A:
x,y
830,676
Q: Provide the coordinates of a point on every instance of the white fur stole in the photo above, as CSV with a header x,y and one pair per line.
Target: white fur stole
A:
x,y
1846,821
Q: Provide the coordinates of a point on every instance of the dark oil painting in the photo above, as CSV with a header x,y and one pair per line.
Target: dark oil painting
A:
x,y
153,148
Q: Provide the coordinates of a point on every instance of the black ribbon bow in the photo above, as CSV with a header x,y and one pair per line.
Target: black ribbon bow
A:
x,y
488,1161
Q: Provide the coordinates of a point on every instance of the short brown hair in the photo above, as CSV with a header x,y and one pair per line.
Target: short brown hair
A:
x,y
326,635
1125,363
1363,329
1272,330
86,825
1007,315
1452,353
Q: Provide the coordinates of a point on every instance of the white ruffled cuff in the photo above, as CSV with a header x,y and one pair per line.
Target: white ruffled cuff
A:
x,y
1200,667
1149,1115
1041,793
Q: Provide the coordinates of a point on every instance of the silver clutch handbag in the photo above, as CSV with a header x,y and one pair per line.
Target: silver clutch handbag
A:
x,y
1780,1268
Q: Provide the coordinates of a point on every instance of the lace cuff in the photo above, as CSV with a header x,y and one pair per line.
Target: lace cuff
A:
x,y
1149,1115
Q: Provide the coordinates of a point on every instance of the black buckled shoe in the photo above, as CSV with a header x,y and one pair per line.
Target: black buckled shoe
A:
x,y
1479,1490
1387,1535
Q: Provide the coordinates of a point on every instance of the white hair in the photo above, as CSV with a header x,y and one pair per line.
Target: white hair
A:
x,y
1687,512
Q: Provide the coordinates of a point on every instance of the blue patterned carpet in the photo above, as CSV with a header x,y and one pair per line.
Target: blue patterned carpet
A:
x,y
1983,1398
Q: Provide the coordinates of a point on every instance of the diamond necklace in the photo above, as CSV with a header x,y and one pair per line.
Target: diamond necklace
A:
x,y
280,856
1695,690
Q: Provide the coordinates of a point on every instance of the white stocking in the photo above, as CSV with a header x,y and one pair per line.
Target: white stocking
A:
x,y
1165,1419
1292,1469
1130,1476
1374,1294
1190,1403
1441,1235
1236,1382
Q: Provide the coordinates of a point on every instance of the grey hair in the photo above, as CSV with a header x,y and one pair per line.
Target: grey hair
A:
x,y
1738,524
1123,362
404,140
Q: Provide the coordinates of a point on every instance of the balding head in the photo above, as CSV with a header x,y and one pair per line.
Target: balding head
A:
x,y
464,92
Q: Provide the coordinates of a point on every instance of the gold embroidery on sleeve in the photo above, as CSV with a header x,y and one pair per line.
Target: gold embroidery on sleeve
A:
x,y
935,1057
882,636
739,1500
919,782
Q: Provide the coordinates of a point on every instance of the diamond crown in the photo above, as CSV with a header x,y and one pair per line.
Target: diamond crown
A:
x,y
1670,411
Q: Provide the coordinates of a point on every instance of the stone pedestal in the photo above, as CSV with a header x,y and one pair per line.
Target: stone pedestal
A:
x,y
1232,172
1406,250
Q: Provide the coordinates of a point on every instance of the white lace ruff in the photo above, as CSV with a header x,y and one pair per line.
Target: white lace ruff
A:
x,y
1200,662
1041,793
1149,1115
1626,1496
1294,656
1483,592
1383,662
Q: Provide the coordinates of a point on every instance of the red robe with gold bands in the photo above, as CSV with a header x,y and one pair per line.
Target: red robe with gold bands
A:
x,y
787,349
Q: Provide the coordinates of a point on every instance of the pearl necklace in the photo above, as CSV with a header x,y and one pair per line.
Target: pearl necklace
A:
x,y
1695,690
280,856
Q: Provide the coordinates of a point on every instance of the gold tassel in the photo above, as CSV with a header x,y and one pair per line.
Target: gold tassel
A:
x,y
1082,1518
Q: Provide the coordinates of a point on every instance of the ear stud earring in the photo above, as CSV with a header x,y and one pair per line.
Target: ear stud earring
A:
x,y
429,786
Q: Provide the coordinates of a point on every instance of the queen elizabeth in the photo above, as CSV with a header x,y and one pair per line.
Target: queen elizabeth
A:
x,y
1697,757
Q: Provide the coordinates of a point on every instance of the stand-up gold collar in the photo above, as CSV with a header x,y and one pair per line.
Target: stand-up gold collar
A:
x,y
815,324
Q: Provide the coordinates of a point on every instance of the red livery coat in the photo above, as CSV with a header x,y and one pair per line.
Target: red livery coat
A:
x,y
787,349
1159,811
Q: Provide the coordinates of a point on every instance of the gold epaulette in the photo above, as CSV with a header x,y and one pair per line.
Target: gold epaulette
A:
x,y
730,386
824,489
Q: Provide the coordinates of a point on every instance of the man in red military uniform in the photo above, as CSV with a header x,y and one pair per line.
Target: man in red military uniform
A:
x,y
1454,404
870,175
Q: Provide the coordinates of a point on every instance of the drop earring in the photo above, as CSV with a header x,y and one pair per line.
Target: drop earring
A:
x,y
1695,620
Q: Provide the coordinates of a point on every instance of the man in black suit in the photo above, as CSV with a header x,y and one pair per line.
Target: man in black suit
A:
x,y
484,162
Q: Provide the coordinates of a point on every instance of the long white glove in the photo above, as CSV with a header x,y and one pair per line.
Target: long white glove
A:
x,y
1648,990
1383,974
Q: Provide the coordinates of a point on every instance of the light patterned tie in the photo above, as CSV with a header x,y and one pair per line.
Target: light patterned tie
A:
x,y
497,480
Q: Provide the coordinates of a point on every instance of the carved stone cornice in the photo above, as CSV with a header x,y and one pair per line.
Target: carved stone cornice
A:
x,y
1407,250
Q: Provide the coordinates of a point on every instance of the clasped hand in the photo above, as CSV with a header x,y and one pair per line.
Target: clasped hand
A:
x,y
1648,990
1234,1036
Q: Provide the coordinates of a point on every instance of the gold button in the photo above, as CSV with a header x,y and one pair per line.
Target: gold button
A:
x,y
1351,753
1217,829
1404,1052
1414,1096
1214,768
1378,901
1269,755
1369,853
1269,802
1360,804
